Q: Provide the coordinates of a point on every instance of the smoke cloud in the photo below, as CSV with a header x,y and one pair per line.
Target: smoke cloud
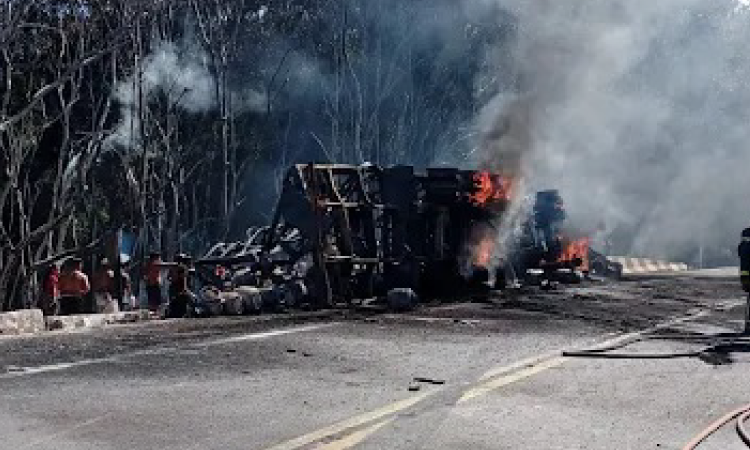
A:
x,y
178,71
636,111
169,70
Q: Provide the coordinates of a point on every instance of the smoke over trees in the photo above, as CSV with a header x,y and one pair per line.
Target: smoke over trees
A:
x,y
176,118
638,112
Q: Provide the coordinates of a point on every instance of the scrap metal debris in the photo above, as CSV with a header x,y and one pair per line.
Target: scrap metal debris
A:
x,y
345,234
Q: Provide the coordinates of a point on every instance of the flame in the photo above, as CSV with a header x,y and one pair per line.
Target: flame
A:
x,y
578,248
491,188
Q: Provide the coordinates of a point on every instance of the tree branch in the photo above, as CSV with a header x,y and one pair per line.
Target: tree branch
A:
x,y
40,94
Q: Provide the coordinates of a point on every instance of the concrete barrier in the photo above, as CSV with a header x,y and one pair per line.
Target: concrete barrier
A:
x,y
97,320
26,321
646,265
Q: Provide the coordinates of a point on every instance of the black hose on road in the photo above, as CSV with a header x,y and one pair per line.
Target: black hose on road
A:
x,y
741,431
716,345
600,355
713,342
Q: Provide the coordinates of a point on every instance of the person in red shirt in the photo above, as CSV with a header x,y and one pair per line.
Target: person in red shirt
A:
x,y
50,291
74,286
153,281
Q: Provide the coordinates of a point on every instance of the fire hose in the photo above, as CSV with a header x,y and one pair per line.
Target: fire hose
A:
x,y
741,431
741,414
716,344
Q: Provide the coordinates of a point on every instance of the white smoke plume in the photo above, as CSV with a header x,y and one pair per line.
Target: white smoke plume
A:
x,y
637,111
181,76
180,72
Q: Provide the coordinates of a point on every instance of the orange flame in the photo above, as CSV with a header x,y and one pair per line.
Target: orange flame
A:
x,y
491,188
577,249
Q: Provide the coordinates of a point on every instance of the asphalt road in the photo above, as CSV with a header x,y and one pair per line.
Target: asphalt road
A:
x,y
493,378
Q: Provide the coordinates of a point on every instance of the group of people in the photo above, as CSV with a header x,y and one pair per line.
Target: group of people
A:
x,y
181,298
68,290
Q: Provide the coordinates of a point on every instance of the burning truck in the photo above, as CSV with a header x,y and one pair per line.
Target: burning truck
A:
x,y
345,234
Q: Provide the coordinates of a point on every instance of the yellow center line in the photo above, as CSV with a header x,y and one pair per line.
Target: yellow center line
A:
x,y
494,378
528,368
522,364
505,375
355,438
496,383
352,422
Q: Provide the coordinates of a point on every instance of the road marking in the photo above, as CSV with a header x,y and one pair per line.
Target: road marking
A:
x,y
522,364
263,335
352,422
497,383
507,374
537,364
25,371
355,438
635,334
532,366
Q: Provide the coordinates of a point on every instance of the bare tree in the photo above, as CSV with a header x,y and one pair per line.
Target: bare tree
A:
x,y
48,57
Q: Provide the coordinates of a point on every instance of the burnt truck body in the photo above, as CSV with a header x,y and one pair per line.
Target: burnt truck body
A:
x,y
342,233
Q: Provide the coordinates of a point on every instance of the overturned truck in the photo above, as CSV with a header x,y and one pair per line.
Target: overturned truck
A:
x,y
344,233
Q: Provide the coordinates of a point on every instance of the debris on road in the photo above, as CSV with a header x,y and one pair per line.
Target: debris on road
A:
x,y
345,235
429,380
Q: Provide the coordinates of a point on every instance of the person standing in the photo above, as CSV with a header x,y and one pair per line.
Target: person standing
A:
x,y
104,286
127,286
74,286
181,299
50,291
153,279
